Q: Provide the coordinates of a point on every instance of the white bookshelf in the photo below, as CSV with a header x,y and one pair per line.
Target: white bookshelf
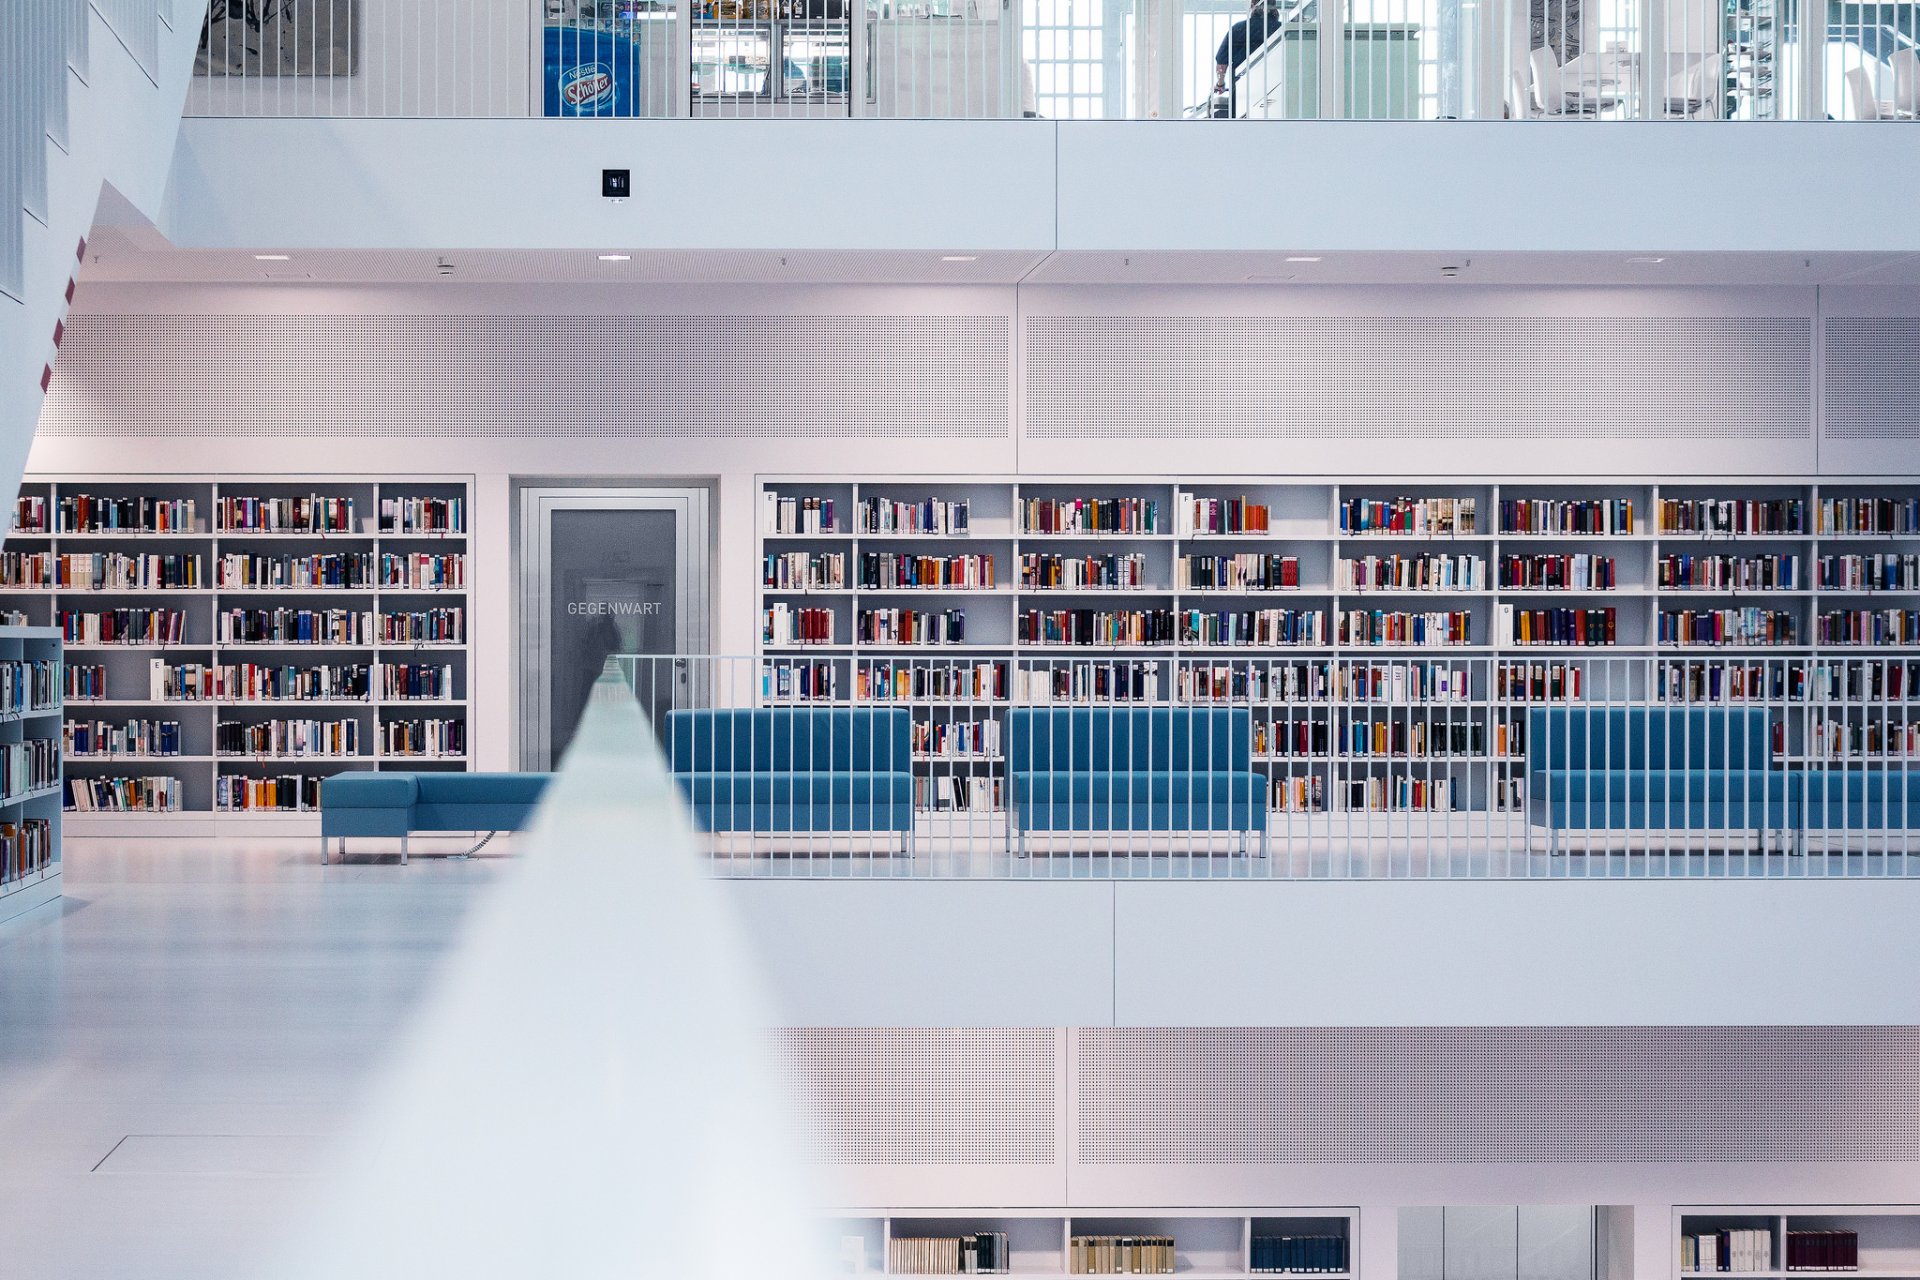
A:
x,y
26,883
200,763
1888,1236
1304,523
1209,1244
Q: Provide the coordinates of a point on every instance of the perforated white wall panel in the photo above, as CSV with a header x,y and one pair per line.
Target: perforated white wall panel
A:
x,y
1274,1096
1373,377
505,375
902,1096
1872,389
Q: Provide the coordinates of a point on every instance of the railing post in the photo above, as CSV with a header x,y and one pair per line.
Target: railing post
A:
x,y
1812,23
1653,60
1331,21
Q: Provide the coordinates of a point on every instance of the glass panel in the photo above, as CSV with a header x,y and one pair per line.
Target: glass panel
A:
x,y
613,591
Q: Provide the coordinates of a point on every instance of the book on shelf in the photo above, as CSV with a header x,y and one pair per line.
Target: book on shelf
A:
x,y
32,765
1402,682
1427,572
911,626
1292,738
1731,1249
416,682
1199,515
1044,571
1253,627
294,626
98,571
123,795
959,793
1733,515
1398,794
975,1253
426,738
423,515
782,514
1562,572
130,738
1399,737
1746,626
1823,1250
1729,573
1246,571
800,682
26,848
424,626
84,683
1306,793
287,738
1864,680
1870,572
1113,628
29,514
286,793
889,570
1087,682
1410,517
31,685
1090,516
783,624
1590,628
1889,627
1693,680
1298,1255
336,570
1252,681
1393,627
1120,1255
423,571
123,626
1539,682
929,516
257,682
87,513
941,681
1871,739
1606,517
804,570
309,513
1870,515
956,739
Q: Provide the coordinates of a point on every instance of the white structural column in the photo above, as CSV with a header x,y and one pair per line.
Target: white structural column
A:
x,y
1332,17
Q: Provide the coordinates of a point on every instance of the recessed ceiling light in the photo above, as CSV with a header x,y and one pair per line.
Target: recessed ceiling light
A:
x,y
1303,259
1645,261
616,257
273,257
960,257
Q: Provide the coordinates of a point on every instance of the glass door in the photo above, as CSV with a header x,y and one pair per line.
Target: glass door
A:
x,y
602,571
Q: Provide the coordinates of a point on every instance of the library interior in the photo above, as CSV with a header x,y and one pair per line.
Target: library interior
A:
x,y
723,638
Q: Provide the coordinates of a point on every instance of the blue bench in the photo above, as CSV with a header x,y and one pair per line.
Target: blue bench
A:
x,y
399,804
1128,769
1655,769
792,770
1882,796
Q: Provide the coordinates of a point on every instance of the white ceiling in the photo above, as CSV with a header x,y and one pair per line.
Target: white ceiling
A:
x,y
126,255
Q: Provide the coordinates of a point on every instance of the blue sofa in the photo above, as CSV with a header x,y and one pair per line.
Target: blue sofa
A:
x,y
399,804
1881,796
790,770
1655,769
1126,769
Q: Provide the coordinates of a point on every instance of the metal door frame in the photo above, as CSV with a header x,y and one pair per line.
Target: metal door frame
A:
x,y
537,500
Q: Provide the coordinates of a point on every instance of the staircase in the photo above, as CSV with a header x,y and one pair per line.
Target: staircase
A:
x,y
90,93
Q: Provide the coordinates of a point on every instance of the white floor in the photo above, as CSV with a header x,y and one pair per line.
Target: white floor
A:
x,y
178,1034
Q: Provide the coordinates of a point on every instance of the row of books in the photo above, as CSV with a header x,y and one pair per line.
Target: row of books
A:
x,y
423,515
1730,573
338,570
130,738
123,626
1411,573
307,513
977,1253
294,626
1401,794
124,795
423,571
958,682
1416,517
1728,682
911,626
1111,627
956,738
29,686
804,571
1868,626
1262,627
433,737
29,514
1823,1251
1870,573
883,570
1120,1255
256,682
32,765
1385,738
99,571
1090,515
1248,571
1748,626
1045,572
782,514
1396,627
1870,515
1733,515
1580,627
1298,1255
1871,739
1088,682
926,516
26,848
1573,572
84,683
416,682
1221,515
287,793
425,626
785,624
1586,516
86,513
1730,1249
961,793
288,738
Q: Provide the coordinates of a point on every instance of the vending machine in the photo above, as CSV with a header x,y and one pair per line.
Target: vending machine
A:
x,y
601,56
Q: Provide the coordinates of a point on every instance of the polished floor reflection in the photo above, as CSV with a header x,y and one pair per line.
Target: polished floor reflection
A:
x,y
181,1033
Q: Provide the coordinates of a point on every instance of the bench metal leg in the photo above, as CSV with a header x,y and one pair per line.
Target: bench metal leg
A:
x,y
403,851
323,851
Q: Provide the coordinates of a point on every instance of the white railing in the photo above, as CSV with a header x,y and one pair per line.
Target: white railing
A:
x,y
1352,764
1060,59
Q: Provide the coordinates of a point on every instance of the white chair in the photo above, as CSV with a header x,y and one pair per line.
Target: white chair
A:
x,y
1694,89
1860,95
1906,82
1519,97
1560,95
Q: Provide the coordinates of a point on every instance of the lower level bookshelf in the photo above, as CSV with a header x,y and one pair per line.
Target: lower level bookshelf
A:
x,y
30,768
